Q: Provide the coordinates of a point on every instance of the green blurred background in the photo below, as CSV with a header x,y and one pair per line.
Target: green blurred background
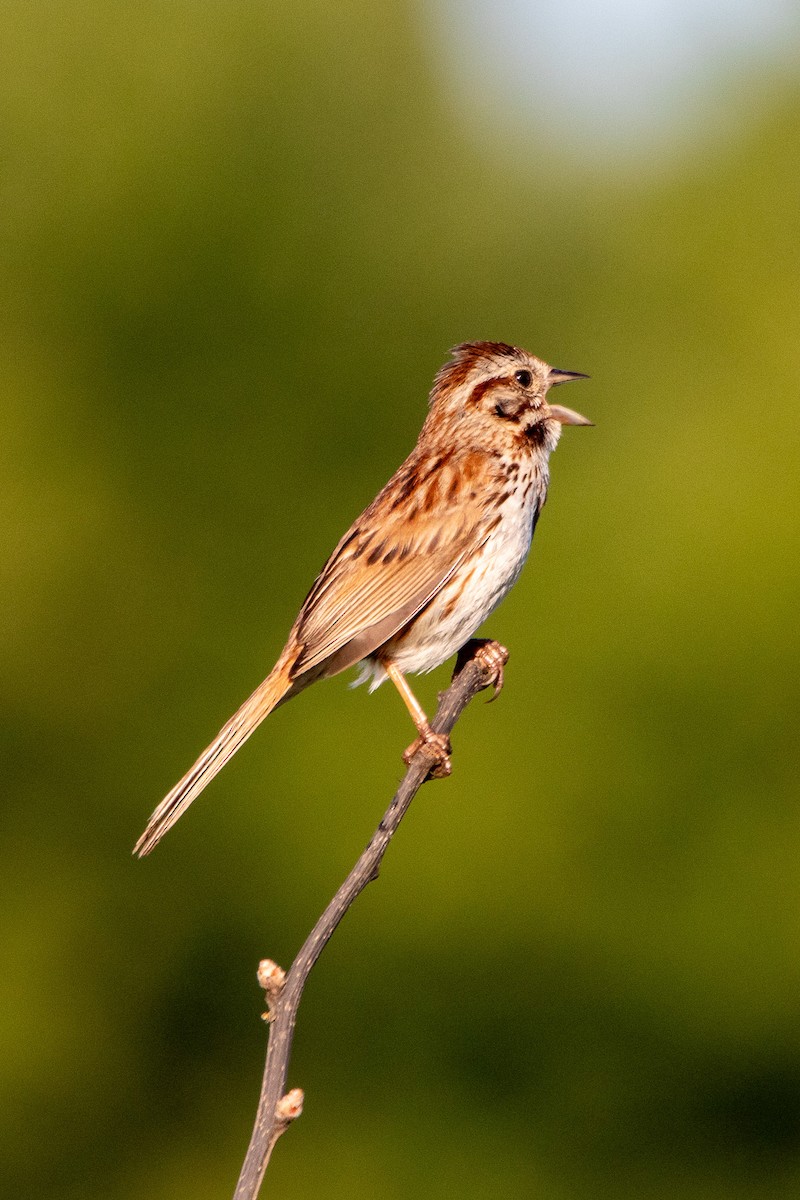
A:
x,y
236,245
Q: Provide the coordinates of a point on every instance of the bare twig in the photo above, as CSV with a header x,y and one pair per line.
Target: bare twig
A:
x,y
479,665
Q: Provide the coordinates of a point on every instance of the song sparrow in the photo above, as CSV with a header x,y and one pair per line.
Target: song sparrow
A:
x,y
428,560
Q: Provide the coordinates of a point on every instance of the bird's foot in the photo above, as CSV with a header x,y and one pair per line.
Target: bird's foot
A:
x,y
491,656
436,747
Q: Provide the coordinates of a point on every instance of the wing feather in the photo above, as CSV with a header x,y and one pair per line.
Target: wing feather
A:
x,y
395,558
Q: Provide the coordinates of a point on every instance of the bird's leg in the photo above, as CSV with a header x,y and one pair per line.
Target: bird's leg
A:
x,y
436,745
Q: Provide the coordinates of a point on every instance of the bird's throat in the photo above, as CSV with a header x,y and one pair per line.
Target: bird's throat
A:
x,y
537,434
542,435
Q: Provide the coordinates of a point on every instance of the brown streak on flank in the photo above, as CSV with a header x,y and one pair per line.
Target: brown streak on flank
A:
x,y
404,553
454,489
390,555
376,553
465,582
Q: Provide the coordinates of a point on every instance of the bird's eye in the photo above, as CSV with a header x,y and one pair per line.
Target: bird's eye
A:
x,y
523,378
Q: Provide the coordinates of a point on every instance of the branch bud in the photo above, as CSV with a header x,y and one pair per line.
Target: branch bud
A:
x,y
290,1106
271,978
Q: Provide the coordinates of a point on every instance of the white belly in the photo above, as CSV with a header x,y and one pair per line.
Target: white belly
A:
x,y
474,591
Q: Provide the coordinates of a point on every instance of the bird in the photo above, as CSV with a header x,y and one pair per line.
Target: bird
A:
x,y
427,561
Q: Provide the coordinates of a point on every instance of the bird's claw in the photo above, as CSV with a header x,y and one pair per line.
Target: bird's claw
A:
x,y
435,746
491,656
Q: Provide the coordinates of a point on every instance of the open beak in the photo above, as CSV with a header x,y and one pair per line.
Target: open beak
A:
x,y
567,416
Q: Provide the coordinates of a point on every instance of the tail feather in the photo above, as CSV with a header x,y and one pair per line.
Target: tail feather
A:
x,y
275,688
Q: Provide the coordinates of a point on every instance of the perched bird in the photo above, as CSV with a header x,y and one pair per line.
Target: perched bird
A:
x,y
428,560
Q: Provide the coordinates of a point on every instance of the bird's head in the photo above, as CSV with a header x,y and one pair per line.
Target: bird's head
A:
x,y
502,392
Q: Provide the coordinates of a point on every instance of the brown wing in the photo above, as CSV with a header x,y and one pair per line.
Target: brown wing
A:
x,y
395,558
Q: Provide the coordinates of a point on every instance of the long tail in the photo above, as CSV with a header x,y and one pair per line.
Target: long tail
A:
x,y
276,687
